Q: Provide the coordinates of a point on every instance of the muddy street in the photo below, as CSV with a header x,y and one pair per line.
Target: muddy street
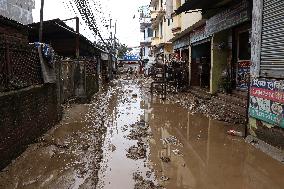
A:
x,y
127,139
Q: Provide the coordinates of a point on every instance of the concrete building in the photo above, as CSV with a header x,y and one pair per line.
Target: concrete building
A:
x,y
18,10
243,51
145,44
266,109
162,30
220,45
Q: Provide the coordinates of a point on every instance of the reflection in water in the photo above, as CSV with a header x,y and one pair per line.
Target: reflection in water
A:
x,y
208,157
203,157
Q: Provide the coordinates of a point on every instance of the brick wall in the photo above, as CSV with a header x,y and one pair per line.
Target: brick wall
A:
x,y
24,116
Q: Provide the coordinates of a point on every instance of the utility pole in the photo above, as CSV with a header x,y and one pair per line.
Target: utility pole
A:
x,y
110,26
77,37
41,21
77,50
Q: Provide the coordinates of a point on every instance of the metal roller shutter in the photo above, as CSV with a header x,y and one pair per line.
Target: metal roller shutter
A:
x,y
272,46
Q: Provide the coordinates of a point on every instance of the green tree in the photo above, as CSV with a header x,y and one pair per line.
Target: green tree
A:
x,y
122,50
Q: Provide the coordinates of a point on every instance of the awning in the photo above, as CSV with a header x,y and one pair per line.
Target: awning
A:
x,y
202,4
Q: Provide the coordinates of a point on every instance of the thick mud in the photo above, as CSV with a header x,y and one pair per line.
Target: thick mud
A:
x,y
127,139
161,145
69,155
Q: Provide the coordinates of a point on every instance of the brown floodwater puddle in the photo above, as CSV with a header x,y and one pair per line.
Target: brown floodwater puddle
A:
x,y
185,151
202,156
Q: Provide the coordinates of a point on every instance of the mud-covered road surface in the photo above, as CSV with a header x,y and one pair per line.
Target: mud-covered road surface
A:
x,y
126,139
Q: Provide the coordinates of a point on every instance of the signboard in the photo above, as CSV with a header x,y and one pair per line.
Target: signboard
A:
x,y
182,42
267,101
231,17
199,34
131,58
243,75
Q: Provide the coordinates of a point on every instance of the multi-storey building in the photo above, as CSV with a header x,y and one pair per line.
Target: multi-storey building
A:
x,y
161,25
18,10
145,44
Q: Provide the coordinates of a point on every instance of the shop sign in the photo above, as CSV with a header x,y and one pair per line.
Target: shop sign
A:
x,y
243,75
267,101
182,42
231,17
199,34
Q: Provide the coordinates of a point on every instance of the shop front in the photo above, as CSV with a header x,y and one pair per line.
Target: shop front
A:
x,y
180,58
230,30
200,58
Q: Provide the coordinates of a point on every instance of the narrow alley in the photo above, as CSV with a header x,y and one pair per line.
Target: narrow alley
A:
x,y
141,94
146,143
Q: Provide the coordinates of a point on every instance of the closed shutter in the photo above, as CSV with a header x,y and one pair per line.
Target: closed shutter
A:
x,y
272,46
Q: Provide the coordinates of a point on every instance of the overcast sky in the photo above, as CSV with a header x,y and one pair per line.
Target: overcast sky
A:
x,y
128,30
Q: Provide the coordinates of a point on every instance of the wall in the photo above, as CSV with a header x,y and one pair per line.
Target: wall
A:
x,y
168,34
24,116
78,79
266,94
189,19
271,134
18,10
218,59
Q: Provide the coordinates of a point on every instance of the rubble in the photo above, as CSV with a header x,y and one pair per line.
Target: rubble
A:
x,y
208,107
139,131
171,140
164,178
165,159
177,152
137,152
141,183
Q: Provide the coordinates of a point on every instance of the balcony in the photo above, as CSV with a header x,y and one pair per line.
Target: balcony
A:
x,y
157,16
156,41
176,24
145,25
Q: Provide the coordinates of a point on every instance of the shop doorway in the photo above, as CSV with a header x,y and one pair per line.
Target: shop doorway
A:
x,y
201,65
242,59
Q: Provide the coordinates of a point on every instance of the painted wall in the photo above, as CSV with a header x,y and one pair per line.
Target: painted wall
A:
x,y
168,34
189,19
219,57
266,94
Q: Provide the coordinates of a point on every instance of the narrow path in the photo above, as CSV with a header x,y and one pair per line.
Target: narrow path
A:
x,y
125,139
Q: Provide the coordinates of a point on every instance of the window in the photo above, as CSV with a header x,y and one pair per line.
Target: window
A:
x,y
150,32
169,22
161,29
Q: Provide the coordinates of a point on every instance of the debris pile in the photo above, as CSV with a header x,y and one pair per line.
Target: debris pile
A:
x,y
137,152
139,131
171,140
141,183
165,159
209,107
